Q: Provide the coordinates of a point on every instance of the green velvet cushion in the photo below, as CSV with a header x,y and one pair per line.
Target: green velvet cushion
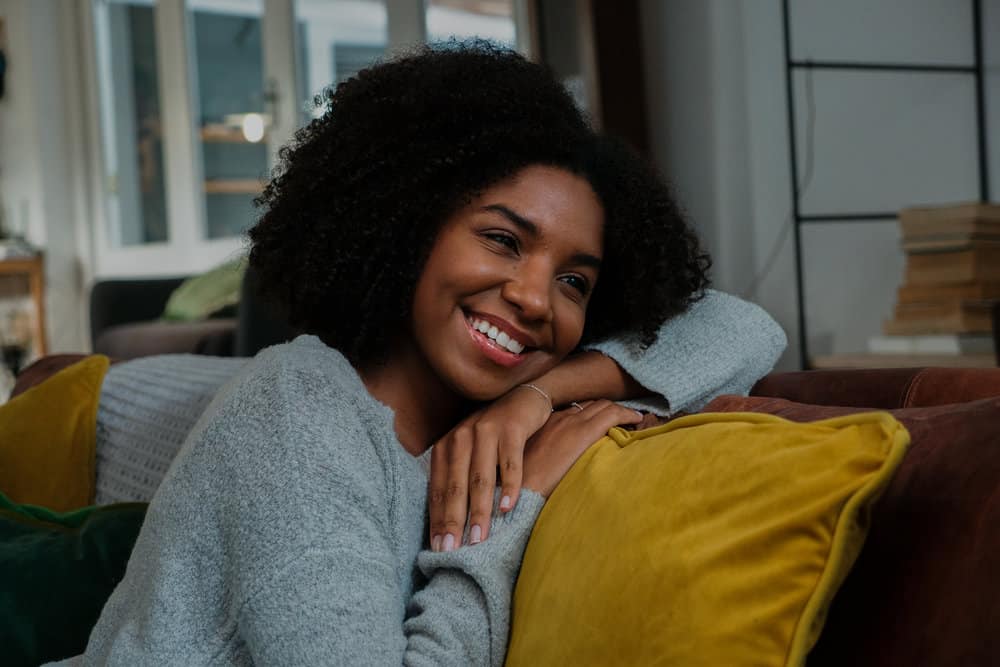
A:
x,y
56,573
202,295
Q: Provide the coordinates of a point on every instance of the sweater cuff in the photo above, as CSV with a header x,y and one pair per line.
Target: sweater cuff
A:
x,y
720,345
501,551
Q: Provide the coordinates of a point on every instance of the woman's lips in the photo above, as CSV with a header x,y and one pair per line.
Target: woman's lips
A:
x,y
492,350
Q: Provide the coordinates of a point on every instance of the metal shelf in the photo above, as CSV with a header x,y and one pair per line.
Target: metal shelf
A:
x,y
976,70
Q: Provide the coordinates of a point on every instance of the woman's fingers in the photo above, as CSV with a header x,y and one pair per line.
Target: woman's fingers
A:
x,y
448,502
555,448
482,482
610,415
464,463
436,492
511,455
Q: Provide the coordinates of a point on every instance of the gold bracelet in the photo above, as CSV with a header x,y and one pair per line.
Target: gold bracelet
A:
x,y
546,396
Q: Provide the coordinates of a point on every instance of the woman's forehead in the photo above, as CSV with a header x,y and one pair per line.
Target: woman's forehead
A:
x,y
548,202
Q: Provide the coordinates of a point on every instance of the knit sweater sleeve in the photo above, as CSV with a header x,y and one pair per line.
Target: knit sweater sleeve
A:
x,y
344,606
468,595
720,345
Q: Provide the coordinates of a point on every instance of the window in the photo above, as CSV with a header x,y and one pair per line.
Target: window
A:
x,y
231,117
486,19
196,97
130,120
338,38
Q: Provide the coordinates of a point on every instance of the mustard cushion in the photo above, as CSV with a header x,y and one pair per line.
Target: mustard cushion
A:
x,y
47,437
716,539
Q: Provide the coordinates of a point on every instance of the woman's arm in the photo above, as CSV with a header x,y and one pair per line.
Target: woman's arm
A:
x,y
721,344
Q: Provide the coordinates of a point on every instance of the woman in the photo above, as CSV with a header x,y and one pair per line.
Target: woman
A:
x,y
449,231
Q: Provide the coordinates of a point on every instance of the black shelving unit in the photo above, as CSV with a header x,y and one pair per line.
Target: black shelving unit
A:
x,y
975,70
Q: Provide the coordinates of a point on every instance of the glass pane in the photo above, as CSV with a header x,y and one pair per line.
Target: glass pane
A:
x,y
130,121
336,39
233,121
488,19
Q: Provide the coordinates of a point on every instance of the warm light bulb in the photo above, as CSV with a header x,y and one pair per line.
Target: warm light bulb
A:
x,y
253,127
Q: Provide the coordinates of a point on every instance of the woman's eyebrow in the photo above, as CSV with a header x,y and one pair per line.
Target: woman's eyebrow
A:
x,y
527,226
530,228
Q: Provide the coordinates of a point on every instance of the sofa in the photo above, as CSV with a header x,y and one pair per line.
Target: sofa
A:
x,y
125,322
925,589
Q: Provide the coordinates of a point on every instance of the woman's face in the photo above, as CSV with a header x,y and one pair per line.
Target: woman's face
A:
x,y
503,295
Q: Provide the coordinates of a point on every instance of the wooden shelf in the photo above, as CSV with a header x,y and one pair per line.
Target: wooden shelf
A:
x,y
217,133
905,361
234,186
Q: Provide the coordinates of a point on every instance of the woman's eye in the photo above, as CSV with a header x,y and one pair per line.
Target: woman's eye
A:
x,y
505,240
578,283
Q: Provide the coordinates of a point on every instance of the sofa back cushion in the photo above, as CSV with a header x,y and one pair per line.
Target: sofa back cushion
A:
x,y
926,587
883,388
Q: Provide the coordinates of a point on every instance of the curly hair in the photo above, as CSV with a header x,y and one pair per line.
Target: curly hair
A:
x,y
360,194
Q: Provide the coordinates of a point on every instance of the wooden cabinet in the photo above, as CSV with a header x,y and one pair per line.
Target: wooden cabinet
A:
x,y
31,268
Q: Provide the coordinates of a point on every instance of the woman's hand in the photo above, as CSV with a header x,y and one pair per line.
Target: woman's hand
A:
x,y
553,450
464,465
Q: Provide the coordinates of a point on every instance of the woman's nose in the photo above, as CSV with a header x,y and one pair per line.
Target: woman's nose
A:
x,y
529,291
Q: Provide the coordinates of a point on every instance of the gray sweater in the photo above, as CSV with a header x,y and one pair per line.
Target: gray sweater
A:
x,y
289,528
287,532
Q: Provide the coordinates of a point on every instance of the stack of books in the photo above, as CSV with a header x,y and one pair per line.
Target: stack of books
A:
x,y
952,282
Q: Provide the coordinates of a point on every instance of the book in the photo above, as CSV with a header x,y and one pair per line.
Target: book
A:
x,y
960,218
950,242
16,249
962,266
941,317
957,292
932,344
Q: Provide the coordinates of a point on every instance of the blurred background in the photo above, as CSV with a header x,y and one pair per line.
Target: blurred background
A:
x,y
134,134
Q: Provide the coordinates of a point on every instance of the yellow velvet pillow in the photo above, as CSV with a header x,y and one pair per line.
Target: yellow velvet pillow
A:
x,y
716,539
47,437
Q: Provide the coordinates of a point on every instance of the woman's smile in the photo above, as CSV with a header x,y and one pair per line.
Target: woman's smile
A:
x,y
499,341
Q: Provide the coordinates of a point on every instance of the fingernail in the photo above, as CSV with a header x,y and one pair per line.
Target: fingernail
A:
x,y
641,416
449,542
436,543
505,503
475,535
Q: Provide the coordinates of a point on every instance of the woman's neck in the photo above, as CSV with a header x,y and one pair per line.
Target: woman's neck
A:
x,y
425,408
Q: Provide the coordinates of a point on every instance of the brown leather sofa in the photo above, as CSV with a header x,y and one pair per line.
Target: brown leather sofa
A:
x,y
926,587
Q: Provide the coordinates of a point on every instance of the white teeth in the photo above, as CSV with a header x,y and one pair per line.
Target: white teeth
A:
x,y
502,338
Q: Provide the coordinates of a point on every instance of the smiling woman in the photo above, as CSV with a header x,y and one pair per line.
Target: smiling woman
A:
x,y
450,235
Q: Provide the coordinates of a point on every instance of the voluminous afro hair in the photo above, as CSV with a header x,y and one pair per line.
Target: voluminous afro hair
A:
x,y
361,192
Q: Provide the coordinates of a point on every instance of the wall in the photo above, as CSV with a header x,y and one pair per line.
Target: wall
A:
x,y
41,156
716,90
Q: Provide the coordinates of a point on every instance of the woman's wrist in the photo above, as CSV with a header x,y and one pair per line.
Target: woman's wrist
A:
x,y
586,376
541,392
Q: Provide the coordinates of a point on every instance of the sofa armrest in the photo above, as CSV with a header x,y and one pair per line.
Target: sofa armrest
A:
x,y
114,302
996,330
